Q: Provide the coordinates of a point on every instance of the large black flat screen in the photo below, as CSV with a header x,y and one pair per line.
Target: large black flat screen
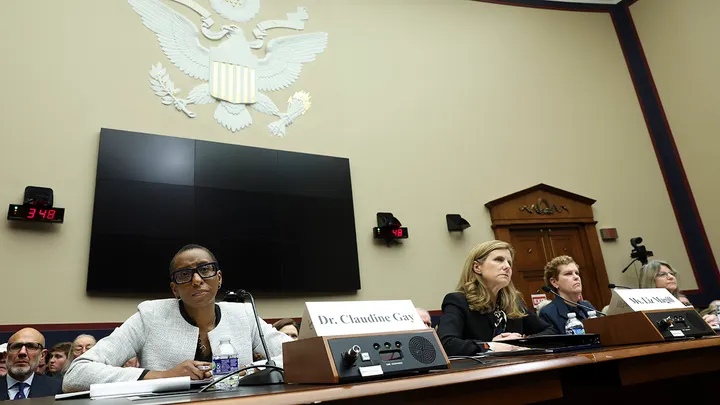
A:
x,y
276,221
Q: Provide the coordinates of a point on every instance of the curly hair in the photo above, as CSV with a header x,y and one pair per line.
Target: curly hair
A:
x,y
478,295
552,269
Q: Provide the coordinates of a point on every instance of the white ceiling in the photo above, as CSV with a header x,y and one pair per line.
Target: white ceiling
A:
x,y
588,1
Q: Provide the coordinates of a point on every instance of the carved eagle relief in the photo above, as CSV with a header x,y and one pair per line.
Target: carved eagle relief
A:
x,y
234,77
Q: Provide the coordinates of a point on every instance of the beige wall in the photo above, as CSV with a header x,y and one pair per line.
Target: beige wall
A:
x,y
475,101
680,42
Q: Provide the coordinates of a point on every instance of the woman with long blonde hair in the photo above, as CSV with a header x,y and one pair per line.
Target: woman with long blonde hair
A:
x,y
487,308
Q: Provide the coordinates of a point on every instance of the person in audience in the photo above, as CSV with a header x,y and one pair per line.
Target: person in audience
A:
x,y
487,308
83,343
3,357
24,350
562,275
80,345
42,366
58,357
710,314
176,337
425,317
288,327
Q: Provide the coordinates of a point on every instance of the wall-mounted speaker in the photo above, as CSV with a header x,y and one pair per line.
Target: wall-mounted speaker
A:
x,y
456,223
41,196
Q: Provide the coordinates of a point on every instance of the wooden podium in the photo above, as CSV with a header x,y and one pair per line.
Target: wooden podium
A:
x,y
648,326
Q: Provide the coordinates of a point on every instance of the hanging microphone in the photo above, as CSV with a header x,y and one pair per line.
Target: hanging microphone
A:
x,y
268,375
612,286
548,290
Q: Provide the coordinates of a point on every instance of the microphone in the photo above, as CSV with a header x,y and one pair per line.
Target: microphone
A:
x,y
548,290
612,286
270,375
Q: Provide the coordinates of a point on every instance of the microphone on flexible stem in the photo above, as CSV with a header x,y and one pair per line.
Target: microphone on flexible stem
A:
x,y
613,286
548,290
268,375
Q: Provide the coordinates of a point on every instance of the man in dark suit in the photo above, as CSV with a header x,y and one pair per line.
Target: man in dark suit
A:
x,y
24,350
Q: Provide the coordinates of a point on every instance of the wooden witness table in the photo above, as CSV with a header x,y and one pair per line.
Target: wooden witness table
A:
x,y
683,370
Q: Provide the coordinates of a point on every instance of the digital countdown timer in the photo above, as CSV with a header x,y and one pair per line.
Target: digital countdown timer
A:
x,y
390,233
34,213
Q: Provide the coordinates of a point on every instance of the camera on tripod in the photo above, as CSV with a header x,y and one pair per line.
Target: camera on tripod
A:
x,y
639,252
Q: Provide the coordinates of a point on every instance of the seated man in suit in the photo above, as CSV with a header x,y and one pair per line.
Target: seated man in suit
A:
x,y
563,276
24,350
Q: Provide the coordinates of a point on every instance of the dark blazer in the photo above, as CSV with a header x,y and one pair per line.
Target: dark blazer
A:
x,y
555,313
42,386
459,327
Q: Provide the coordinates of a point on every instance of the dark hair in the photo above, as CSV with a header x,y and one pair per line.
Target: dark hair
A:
x,y
285,322
61,347
185,249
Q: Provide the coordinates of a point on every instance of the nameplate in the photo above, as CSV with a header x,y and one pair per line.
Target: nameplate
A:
x,y
127,388
642,299
357,317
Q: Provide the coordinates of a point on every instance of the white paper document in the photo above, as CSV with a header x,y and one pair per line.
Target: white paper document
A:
x,y
126,388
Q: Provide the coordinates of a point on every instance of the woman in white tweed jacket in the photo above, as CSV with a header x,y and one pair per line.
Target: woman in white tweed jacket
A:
x,y
173,337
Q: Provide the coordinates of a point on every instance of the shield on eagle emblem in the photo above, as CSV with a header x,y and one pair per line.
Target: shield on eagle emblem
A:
x,y
232,73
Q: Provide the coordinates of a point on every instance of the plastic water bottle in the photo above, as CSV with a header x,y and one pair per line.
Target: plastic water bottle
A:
x,y
592,314
224,363
573,326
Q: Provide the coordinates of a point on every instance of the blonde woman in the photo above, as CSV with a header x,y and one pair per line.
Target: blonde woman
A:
x,y
486,308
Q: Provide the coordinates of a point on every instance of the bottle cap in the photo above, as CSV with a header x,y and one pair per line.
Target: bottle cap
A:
x,y
571,315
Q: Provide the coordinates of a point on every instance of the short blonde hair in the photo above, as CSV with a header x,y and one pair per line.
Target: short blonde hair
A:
x,y
478,295
552,269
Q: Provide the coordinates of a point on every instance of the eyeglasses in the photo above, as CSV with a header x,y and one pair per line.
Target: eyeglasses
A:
x,y
30,347
79,350
184,276
664,274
